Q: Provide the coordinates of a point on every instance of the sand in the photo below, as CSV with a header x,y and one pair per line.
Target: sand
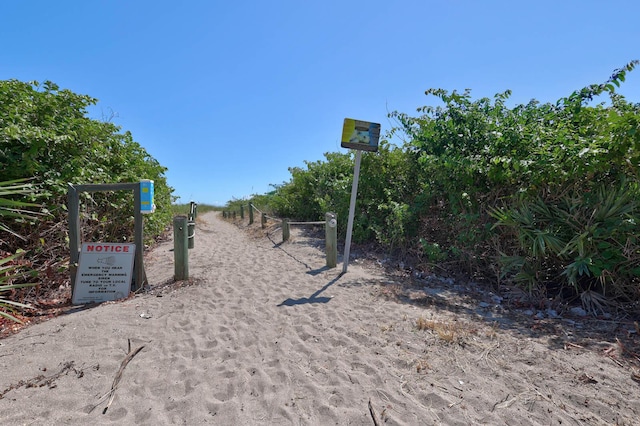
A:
x,y
265,334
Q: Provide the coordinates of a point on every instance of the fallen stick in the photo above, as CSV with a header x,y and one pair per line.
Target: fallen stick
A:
x,y
374,416
116,381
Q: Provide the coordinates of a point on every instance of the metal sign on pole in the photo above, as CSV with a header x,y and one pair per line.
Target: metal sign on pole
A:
x,y
361,136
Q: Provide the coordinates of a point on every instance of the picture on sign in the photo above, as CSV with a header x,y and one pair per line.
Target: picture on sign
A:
x,y
363,135
104,272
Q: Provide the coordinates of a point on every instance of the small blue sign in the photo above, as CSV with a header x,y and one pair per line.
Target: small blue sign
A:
x,y
146,197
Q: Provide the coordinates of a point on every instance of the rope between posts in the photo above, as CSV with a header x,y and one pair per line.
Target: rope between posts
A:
x,y
273,218
255,208
330,222
319,222
191,222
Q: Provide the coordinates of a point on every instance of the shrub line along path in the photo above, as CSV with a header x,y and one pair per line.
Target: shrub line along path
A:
x,y
265,334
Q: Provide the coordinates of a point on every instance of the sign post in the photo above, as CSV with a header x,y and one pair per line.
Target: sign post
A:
x,y
361,136
141,190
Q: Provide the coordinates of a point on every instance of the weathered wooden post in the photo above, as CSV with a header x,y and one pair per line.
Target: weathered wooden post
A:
x,y
74,232
242,211
192,211
250,214
264,220
331,238
286,230
180,250
191,237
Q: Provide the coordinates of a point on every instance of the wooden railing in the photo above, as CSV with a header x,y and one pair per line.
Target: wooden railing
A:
x,y
330,223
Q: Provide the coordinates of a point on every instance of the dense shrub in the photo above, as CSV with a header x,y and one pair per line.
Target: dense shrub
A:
x,y
47,137
540,195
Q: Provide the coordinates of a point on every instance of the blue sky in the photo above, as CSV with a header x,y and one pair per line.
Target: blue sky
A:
x,y
229,94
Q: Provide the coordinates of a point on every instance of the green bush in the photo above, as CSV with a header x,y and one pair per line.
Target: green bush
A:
x,y
541,195
45,134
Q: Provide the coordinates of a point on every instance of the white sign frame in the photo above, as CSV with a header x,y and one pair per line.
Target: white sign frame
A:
x,y
104,272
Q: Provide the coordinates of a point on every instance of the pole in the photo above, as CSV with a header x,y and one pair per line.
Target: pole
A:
x,y
180,248
352,210
286,230
331,239
74,232
138,270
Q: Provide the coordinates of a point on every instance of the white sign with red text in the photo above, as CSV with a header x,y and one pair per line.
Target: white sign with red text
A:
x,y
104,272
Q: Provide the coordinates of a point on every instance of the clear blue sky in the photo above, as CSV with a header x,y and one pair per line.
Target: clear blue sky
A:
x,y
229,94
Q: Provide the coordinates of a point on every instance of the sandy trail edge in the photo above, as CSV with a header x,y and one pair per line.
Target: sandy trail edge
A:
x,y
268,336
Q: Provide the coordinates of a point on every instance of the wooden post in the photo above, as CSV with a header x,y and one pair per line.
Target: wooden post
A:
x,y
74,232
264,220
286,230
140,277
250,214
191,228
234,214
180,250
331,238
191,225
241,211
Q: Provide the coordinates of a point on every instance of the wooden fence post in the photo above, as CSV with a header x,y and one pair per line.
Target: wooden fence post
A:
x,y
180,250
264,220
331,238
74,232
286,230
242,211
191,236
250,214
191,225
192,211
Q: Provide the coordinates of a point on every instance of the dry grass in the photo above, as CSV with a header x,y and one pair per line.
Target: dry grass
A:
x,y
450,332
391,291
422,366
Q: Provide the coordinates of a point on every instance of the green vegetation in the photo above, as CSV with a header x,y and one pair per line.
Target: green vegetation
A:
x,y
46,137
11,268
544,196
183,209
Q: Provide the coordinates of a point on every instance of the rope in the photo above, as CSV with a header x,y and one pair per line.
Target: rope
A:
x,y
256,209
273,218
320,222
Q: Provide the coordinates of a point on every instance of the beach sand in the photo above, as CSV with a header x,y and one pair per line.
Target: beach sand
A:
x,y
264,334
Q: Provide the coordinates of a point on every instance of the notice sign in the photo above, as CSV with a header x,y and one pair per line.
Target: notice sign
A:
x,y
104,272
360,135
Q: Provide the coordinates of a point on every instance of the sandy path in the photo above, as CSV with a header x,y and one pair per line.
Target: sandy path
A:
x,y
268,336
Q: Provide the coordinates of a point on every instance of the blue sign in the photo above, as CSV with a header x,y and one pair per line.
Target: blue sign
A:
x,y
146,197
